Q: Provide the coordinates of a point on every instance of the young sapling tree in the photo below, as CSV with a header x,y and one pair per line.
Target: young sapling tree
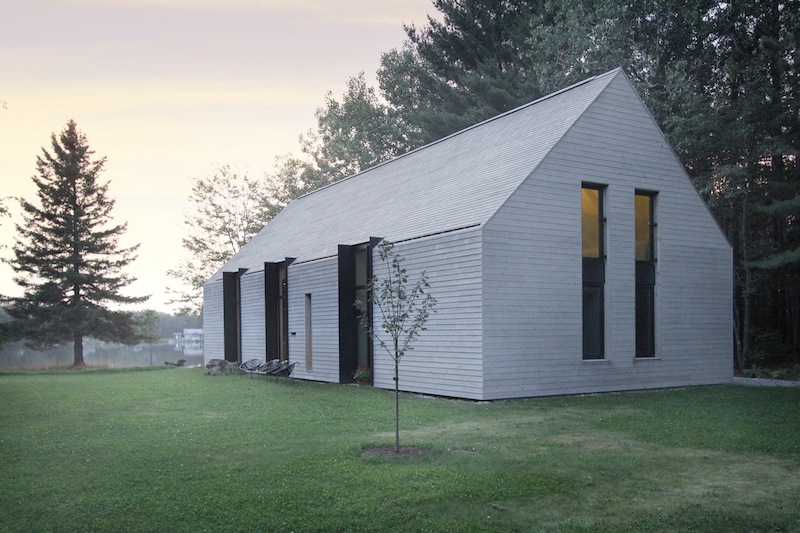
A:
x,y
403,310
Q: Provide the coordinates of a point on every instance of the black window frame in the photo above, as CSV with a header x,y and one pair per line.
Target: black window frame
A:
x,y
645,286
593,288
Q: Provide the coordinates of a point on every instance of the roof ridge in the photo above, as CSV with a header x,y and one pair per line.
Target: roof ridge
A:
x,y
332,217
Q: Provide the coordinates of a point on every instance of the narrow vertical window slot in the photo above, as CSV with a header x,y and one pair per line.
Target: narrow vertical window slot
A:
x,y
309,337
593,248
645,253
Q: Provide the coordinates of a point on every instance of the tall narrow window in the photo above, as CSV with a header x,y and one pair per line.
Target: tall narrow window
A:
x,y
232,315
276,303
644,220
309,340
355,270
592,224
362,279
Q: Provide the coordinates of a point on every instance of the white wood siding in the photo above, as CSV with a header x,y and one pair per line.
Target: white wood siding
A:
x,y
446,359
213,342
532,287
253,321
320,279
532,272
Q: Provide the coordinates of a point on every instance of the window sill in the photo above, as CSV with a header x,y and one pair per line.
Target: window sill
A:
x,y
654,358
603,360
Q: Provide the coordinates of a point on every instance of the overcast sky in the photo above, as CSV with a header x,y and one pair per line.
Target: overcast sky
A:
x,y
168,90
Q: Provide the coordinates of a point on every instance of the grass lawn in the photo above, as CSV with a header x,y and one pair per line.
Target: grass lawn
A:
x,y
177,450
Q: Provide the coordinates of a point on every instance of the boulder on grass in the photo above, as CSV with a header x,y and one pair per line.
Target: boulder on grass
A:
x,y
220,366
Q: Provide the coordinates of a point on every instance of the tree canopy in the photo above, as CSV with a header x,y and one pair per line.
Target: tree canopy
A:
x,y
67,257
352,135
460,70
228,208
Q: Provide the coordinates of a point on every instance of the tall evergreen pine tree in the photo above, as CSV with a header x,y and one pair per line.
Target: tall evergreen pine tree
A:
x,y
66,256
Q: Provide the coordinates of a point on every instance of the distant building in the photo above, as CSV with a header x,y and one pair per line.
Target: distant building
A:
x,y
567,248
190,335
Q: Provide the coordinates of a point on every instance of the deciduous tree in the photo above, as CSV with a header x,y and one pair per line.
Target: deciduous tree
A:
x,y
147,329
352,135
228,208
403,310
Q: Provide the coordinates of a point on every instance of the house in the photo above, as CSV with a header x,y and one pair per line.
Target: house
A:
x,y
567,248
189,335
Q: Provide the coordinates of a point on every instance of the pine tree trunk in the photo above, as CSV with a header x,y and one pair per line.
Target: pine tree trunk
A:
x,y
737,334
747,317
747,290
794,313
77,351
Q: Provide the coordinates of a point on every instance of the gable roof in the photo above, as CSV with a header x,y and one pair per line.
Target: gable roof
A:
x,y
456,182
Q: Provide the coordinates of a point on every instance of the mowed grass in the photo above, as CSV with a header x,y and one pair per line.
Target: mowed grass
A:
x,y
177,450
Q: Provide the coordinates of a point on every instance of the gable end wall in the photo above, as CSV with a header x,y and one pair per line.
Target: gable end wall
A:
x,y
532,273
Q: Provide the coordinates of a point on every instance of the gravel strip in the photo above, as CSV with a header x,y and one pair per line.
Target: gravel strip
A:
x,y
760,382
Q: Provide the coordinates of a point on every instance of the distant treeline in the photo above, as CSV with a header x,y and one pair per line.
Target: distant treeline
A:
x,y
168,324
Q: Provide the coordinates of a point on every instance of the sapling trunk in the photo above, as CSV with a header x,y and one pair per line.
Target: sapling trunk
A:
x,y
396,400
